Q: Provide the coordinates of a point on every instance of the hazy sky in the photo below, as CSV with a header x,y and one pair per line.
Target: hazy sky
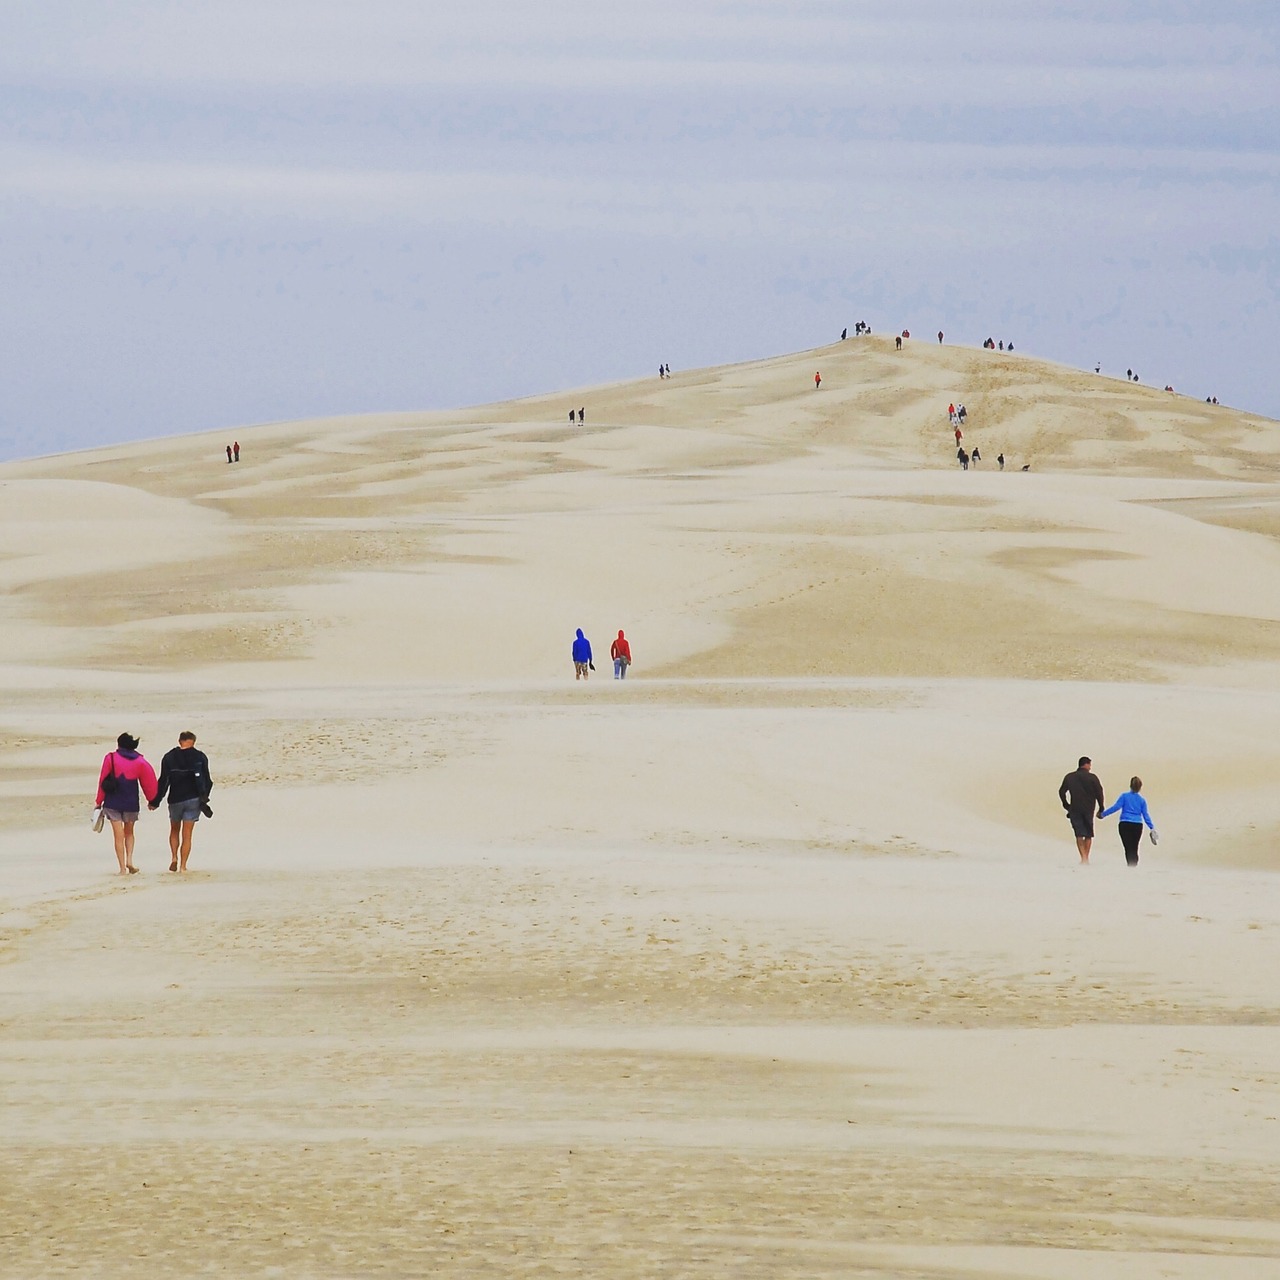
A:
x,y
219,212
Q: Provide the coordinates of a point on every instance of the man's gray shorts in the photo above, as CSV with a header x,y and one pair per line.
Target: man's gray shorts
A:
x,y
1081,824
184,811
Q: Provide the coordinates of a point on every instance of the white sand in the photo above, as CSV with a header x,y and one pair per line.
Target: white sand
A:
x,y
773,961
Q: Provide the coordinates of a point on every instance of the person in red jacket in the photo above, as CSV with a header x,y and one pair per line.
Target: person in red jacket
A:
x,y
620,652
817,380
123,772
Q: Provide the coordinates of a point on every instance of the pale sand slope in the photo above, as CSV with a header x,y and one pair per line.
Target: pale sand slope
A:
x,y
772,961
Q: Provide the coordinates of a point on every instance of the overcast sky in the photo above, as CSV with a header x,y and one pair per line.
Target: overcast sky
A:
x,y
219,212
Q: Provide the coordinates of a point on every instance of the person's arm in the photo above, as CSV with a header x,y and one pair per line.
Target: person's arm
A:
x,y
208,777
1102,800
1106,813
162,786
1146,814
147,777
102,773
1062,792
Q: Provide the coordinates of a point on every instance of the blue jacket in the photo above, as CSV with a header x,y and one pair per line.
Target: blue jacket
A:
x,y
1133,808
581,648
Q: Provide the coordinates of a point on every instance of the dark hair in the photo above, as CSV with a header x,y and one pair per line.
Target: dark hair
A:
x,y
127,742
1084,760
186,736
1135,783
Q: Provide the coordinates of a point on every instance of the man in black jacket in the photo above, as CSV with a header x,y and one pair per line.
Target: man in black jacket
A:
x,y
1081,794
184,775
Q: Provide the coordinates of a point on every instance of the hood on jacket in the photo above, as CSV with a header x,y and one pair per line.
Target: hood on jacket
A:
x,y
580,635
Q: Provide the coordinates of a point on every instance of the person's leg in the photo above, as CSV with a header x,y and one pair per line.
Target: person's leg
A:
x,y
128,846
617,668
1130,834
174,827
1083,846
117,834
625,665
187,829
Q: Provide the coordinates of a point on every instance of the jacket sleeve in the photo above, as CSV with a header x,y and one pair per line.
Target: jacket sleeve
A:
x,y
147,780
162,786
1106,813
1062,792
208,777
1146,813
1102,800
102,773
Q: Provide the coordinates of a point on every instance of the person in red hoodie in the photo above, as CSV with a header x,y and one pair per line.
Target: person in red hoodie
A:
x,y
123,772
620,652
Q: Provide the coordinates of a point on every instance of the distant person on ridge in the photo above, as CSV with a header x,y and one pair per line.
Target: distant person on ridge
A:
x,y
228,454
1081,794
571,417
184,777
581,656
1133,813
939,337
582,415
817,381
898,342
236,450
620,652
1000,460
844,333
963,458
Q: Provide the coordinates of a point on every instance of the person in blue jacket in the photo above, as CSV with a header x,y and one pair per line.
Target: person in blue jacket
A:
x,y
581,656
1133,813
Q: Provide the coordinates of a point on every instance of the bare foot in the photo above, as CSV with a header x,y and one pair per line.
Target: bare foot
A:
x,y
131,869
173,866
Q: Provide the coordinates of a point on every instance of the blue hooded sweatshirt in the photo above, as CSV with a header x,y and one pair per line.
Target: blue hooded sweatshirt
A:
x,y
581,648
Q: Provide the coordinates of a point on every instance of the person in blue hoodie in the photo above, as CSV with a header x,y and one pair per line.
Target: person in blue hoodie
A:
x,y
1133,813
581,656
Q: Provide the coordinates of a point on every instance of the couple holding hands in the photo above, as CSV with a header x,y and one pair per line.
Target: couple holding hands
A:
x,y
184,777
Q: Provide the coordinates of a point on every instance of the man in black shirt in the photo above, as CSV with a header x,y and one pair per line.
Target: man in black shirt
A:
x,y
184,775
1081,795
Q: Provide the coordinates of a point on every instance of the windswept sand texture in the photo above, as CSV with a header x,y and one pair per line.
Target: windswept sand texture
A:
x,y
774,961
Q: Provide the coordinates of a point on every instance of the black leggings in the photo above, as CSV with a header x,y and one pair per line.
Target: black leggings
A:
x,y
1130,834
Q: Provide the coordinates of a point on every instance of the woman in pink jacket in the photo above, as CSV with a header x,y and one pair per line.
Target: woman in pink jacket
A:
x,y
123,772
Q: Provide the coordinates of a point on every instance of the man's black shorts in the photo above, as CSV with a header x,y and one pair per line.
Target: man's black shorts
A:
x,y
1081,824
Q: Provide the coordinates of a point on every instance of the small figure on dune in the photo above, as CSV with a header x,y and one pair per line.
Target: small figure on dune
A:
x,y
235,448
975,455
1097,368
662,373
582,415
1000,460
228,455
1000,345
572,417
668,369
959,434
963,458
1133,813
620,652
1008,346
961,412
817,381
939,337
844,333
898,342
581,656
1027,467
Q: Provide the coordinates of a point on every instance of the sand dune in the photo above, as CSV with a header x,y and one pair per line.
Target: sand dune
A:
x,y
772,960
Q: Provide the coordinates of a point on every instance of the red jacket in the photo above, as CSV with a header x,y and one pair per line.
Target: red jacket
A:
x,y
132,770
620,648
